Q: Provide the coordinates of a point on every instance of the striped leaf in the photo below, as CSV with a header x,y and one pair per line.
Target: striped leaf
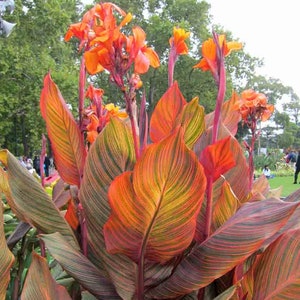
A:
x,y
225,206
167,110
218,158
230,245
281,261
79,267
111,154
192,120
154,208
229,115
30,202
39,283
6,259
66,140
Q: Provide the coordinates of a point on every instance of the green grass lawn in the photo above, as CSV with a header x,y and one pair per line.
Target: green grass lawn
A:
x,y
286,182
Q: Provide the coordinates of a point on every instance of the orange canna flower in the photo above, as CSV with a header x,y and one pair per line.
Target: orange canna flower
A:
x,y
98,25
115,111
138,52
178,40
254,106
93,92
96,123
209,53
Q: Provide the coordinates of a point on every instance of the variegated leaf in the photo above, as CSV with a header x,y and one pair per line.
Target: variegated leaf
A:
x,y
154,208
66,139
6,259
231,244
31,203
167,110
277,271
39,283
79,267
110,155
192,121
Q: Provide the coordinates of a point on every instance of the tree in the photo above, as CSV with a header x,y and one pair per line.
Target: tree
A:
x,y
35,47
293,106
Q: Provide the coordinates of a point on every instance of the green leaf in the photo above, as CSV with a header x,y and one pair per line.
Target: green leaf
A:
x,y
230,245
154,208
39,283
66,139
79,267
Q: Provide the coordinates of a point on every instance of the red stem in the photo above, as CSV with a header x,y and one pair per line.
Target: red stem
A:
x,y
209,201
217,117
133,124
81,88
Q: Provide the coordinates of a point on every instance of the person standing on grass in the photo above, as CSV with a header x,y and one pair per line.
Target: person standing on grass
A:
x,y
297,168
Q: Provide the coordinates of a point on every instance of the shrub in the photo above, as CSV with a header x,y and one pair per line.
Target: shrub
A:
x,y
178,217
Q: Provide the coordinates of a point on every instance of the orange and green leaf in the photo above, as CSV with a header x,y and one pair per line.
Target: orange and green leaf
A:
x,y
192,121
6,258
110,155
281,261
168,108
154,208
79,267
66,139
31,203
230,245
229,115
47,288
225,207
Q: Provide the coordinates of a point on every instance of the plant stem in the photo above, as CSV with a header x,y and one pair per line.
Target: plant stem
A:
x,y
129,110
217,118
208,222
81,87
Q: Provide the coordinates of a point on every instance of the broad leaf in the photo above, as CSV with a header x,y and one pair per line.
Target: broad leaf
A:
x,y
192,121
39,283
281,261
30,202
217,159
6,259
238,176
79,267
167,110
260,188
154,208
110,155
225,206
66,139
230,117
231,244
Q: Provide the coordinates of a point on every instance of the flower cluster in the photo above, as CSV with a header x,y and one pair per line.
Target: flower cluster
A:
x,y
254,106
98,115
107,48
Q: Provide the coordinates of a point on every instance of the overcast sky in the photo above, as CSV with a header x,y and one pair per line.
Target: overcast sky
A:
x,y
269,29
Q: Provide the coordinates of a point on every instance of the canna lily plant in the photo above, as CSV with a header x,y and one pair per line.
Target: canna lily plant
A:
x,y
164,208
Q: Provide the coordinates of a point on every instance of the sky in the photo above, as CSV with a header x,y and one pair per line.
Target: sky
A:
x,y
268,29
